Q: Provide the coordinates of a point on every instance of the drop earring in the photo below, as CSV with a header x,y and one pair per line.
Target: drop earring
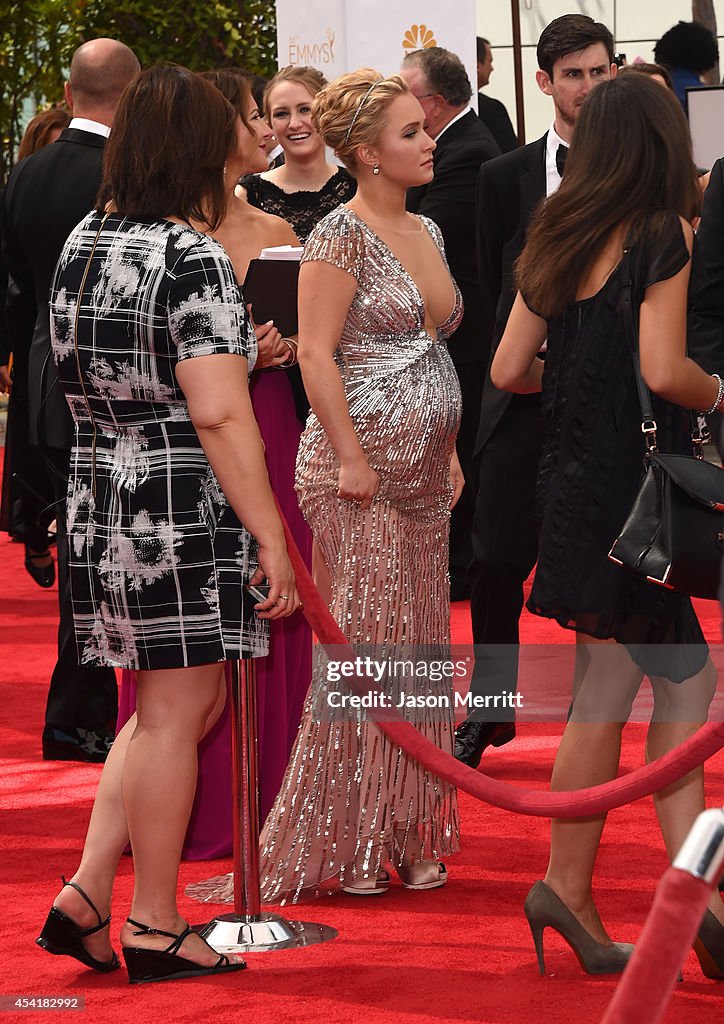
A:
x,y
376,169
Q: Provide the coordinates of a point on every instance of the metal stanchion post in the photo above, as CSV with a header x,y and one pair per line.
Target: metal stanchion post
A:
x,y
248,930
702,853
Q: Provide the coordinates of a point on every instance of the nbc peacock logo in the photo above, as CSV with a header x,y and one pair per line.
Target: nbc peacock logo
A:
x,y
418,37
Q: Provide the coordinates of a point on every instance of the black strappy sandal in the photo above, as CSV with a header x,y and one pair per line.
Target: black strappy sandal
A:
x,y
165,964
44,575
63,937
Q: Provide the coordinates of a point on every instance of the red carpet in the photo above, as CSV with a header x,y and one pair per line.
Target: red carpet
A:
x,y
458,954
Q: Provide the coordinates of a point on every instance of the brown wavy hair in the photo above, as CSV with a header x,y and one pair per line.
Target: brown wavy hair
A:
x,y
235,85
40,128
630,165
172,135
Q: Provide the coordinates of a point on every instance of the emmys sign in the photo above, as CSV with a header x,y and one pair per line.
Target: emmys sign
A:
x,y
341,35
314,33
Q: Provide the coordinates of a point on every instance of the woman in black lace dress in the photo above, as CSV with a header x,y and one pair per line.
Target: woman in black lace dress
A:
x,y
306,187
639,195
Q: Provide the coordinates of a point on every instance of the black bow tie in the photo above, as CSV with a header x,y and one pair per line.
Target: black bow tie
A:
x,y
561,157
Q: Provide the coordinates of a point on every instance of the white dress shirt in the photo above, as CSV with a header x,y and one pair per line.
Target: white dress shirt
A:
x,y
553,178
85,125
452,121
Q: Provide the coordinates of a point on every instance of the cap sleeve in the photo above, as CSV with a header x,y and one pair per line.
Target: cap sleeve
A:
x,y
206,312
435,231
337,239
663,251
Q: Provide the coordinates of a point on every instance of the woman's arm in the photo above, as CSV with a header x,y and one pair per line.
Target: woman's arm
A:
x,y
325,295
217,393
665,366
457,479
515,367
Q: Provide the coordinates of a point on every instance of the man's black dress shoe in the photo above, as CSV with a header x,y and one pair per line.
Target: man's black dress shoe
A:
x,y
68,744
471,739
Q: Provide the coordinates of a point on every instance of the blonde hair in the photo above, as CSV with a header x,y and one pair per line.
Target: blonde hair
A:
x,y
312,80
349,112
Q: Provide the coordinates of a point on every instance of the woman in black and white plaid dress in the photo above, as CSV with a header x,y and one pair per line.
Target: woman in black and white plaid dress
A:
x,y
153,347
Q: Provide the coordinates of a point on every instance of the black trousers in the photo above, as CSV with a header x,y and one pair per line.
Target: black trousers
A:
x,y
80,696
471,377
504,543
27,490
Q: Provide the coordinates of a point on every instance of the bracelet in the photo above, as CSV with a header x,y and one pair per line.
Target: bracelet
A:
x,y
719,395
292,357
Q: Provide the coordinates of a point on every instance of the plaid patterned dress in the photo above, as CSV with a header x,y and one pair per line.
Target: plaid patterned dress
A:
x,y
158,560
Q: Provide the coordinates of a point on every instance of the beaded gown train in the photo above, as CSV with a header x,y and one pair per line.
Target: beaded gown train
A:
x,y
351,801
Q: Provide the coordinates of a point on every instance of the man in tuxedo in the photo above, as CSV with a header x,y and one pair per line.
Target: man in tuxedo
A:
x,y
490,111
439,80
46,195
574,55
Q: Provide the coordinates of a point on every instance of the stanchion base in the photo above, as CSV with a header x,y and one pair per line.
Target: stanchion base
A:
x,y
259,933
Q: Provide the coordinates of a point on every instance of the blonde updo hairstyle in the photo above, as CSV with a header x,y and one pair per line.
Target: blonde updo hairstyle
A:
x,y
312,80
343,123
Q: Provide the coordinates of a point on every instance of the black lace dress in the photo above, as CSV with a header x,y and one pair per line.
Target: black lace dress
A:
x,y
303,210
590,471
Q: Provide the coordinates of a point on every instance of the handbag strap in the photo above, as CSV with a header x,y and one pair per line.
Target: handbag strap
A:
x,y
648,423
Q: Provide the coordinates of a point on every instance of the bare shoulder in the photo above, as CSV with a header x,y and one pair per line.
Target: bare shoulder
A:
x,y
280,231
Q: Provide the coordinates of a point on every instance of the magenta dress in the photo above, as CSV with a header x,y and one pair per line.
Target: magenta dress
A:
x,y
283,677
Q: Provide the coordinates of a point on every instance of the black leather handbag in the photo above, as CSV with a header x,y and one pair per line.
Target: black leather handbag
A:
x,y
674,532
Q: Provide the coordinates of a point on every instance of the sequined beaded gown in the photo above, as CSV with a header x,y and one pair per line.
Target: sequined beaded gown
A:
x,y
349,796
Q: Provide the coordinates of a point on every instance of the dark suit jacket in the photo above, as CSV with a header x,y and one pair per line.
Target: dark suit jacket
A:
x,y
5,343
46,195
493,114
449,200
509,190
706,293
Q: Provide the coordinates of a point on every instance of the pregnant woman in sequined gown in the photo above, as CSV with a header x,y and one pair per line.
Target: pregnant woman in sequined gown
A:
x,y
376,477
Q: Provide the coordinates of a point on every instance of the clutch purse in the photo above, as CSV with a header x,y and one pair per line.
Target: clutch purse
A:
x,y
673,534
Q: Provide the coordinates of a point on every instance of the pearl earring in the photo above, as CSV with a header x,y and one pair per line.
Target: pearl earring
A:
x,y
376,169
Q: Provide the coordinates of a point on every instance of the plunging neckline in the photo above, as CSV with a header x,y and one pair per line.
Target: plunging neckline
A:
x,y
408,276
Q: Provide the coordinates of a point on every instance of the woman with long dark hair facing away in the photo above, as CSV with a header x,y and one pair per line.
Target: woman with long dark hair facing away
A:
x,y
153,347
630,187
377,475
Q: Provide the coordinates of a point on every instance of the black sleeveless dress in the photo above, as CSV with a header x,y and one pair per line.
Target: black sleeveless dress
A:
x,y
590,471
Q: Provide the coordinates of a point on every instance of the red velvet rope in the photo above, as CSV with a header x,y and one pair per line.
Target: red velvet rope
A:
x,y
643,993
580,803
